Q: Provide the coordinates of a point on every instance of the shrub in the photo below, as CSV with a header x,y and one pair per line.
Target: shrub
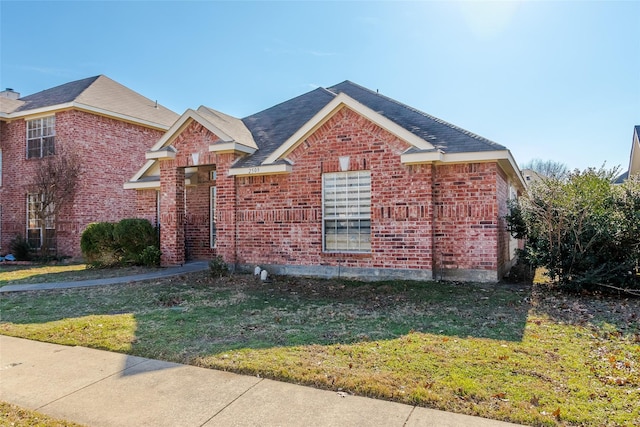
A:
x,y
217,267
584,230
132,236
98,245
150,256
20,248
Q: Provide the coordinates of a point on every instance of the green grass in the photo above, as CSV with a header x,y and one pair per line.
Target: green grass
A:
x,y
46,273
519,353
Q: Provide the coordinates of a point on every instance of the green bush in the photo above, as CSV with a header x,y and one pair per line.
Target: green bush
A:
x,y
132,236
131,241
584,230
98,245
20,248
150,256
217,267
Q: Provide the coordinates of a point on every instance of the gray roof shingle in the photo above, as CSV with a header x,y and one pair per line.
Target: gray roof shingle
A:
x,y
62,94
442,135
272,127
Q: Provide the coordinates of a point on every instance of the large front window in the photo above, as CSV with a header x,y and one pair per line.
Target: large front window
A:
x,y
34,222
346,211
41,135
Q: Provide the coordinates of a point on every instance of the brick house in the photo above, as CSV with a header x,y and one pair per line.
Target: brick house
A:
x,y
634,158
107,124
337,181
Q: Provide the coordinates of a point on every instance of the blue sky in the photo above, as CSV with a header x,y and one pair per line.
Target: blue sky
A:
x,y
557,80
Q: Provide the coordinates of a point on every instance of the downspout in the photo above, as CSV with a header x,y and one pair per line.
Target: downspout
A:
x,y
235,224
434,262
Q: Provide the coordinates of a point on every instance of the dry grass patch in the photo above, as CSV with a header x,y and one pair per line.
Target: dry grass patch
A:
x,y
12,415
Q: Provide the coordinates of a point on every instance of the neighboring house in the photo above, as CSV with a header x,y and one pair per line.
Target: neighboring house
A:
x,y
107,124
339,181
530,176
634,158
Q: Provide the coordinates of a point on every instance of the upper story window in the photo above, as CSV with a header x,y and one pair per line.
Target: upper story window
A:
x,y
41,135
346,211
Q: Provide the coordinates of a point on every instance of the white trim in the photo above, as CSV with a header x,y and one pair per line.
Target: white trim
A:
x,y
184,120
52,109
230,147
261,170
423,157
136,185
160,154
502,157
332,108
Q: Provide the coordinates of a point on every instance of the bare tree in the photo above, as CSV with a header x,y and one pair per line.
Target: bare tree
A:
x,y
547,168
52,187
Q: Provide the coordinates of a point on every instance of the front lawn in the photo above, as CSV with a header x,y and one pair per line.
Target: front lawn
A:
x,y
510,352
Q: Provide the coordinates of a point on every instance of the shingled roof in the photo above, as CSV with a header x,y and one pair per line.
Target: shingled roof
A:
x,y
99,94
277,129
442,135
273,126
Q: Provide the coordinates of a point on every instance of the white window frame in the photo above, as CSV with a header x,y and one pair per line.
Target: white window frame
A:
x,y
41,135
212,217
33,223
346,212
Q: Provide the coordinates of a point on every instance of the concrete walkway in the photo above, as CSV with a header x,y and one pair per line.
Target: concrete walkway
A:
x,y
99,388
190,267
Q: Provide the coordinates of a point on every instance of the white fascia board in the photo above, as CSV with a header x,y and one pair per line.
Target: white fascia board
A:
x,y
40,112
333,107
502,157
261,170
123,117
160,155
231,147
184,120
416,158
134,185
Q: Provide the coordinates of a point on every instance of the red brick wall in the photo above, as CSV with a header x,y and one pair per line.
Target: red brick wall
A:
x,y
442,218
280,216
198,225
147,205
194,220
111,150
466,217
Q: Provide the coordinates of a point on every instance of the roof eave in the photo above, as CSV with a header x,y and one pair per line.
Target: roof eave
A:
x,y
88,108
503,157
231,147
341,101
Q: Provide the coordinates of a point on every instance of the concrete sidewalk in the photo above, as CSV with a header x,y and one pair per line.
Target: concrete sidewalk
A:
x,y
99,388
190,267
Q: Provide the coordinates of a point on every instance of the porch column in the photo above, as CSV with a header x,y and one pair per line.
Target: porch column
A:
x,y
172,213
